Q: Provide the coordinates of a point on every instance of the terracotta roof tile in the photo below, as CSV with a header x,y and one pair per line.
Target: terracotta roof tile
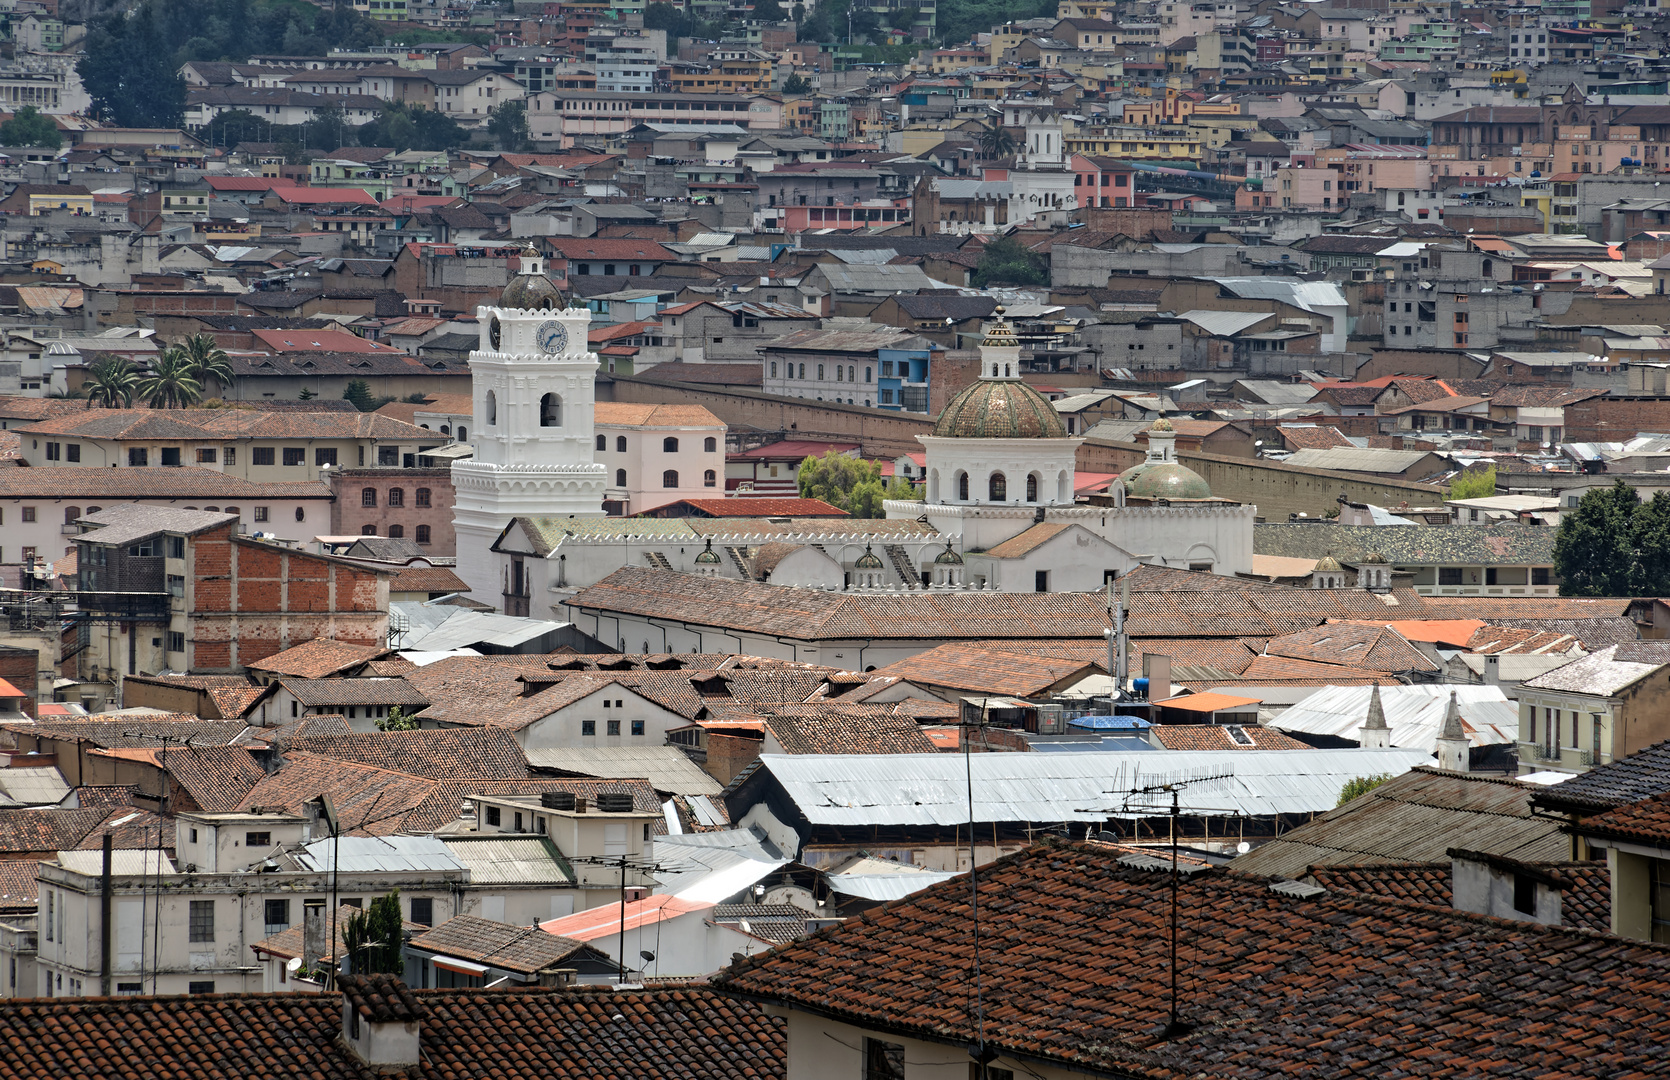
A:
x,y
1215,737
1072,956
320,693
1647,821
23,831
19,889
1376,648
214,778
1585,902
1320,437
974,668
510,948
318,658
484,753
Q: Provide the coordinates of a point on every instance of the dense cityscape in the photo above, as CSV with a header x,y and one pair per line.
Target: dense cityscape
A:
x,y
502,503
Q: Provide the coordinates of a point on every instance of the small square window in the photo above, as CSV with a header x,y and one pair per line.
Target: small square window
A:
x,y
637,727
423,911
260,455
614,727
588,727
493,815
200,987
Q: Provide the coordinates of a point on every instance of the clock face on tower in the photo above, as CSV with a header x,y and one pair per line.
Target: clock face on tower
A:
x,y
493,332
552,337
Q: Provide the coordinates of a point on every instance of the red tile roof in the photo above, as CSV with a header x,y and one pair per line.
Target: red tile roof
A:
x,y
520,1034
1585,901
1217,737
753,507
1647,821
1074,974
483,753
318,658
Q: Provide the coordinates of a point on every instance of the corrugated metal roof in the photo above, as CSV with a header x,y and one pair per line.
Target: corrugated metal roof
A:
x,y
369,854
886,887
1225,323
1414,713
666,767
123,863
33,787
1359,459
1310,295
932,789
525,860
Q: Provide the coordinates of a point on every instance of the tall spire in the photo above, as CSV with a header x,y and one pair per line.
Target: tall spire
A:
x,y
1375,735
1452,720
1453,744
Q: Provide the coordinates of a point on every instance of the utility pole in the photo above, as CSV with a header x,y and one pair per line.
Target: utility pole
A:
x,y
621,862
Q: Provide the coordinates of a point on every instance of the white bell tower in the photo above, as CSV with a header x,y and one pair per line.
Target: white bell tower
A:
x,y
533,385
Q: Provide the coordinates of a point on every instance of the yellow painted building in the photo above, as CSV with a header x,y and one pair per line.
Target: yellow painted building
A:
x,y
1136,143
726,73
41,202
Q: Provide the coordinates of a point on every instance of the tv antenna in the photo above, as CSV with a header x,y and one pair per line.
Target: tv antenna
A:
x,y
623,862
1144,793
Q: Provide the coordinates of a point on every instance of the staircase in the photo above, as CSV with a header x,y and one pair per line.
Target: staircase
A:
x,y
903,566
740,560
657,560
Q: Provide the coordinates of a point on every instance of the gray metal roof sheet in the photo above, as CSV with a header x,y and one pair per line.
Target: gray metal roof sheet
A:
x,y
33,787
932,789
369,854
666,767
886,887
524,860
1414,713
1359,459
1225,323
123,863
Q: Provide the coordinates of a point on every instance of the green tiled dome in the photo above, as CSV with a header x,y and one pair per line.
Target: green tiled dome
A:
x,y
999,409
1166,480
531,292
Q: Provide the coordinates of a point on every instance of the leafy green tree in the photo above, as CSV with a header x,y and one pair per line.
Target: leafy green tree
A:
x,y
957,21
508,124
327,130
28,127
373,938
307,394
412,127
208,361
171,384
397,720
235,126
1007,261
1614,545
359,392
128,70
794,84
768,11
1361,786
852,484
660,16
111,382
1473,484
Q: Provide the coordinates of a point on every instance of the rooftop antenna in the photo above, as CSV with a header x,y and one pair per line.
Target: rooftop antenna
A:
x,y
144,872
622,861
1139,793
976,1049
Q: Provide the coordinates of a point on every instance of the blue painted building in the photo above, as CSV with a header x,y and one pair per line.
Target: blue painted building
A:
x,y
902,382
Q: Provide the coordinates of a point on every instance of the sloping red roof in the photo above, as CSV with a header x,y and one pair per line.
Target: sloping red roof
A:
x,y
742,506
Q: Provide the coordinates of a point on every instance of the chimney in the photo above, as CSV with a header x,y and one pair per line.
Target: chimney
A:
x,y
558,977
381,1022
1493,670
1156,668
1453,744
1375,735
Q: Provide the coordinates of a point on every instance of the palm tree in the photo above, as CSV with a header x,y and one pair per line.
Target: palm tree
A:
x,y
111,383
996,142
171,384
208,361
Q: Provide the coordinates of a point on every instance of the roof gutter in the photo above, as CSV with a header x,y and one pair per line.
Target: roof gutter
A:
x,y
923,1036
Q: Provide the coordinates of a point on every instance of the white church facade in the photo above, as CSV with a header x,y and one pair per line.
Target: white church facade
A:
x,y
998,513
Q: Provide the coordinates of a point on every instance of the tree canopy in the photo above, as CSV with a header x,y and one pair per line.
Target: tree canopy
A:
x,y
853,484
1473,484
508,124
1614,544
1361,786
410,128
1008,262
28,127
373,938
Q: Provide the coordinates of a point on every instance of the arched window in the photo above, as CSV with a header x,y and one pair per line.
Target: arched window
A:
x,y
710,445
802,371
620,444
397,496
421,497
206,509
820,371
70,514
852,376
620,477
463,433
446,429
867,373
550,411
1032,488
1488,265
492,413
396,532
997,488
710,479
423,534
301,514
603,442
368,496
94,509
962,487
669,445
669,479
368,530
231,510
838,370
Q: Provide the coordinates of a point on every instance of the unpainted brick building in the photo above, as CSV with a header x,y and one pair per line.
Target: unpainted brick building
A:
x,y
412,503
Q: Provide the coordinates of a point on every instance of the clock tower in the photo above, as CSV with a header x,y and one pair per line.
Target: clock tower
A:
x,y
533,387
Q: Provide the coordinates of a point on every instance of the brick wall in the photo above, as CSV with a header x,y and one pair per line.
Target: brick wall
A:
x,y
728,755
1610,419
251,600
350,516
20,667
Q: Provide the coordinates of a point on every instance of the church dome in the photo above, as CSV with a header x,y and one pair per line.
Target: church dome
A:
x,y
867,561
1373,557
999,409
1327,564
948,557
708,556
530,292
1165,480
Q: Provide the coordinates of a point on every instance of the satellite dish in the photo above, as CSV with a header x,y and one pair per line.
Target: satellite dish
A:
x,y
1242,848
647,955
293,965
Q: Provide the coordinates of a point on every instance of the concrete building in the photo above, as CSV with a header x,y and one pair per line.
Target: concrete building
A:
x,y
1594,710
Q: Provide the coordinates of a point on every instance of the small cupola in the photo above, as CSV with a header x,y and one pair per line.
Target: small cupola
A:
x,y
707,561
867,570
381,1022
